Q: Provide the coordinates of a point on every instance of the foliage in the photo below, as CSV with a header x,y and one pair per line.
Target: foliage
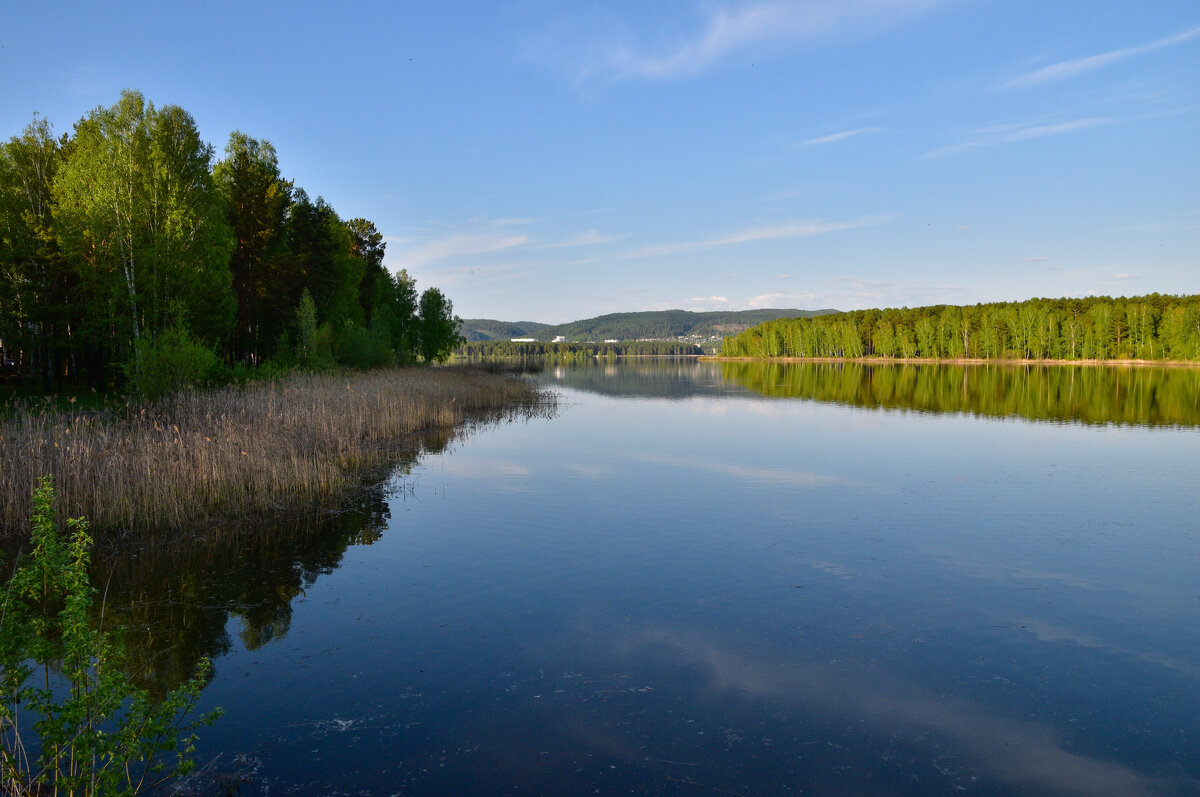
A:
x,y
1153,327
437,325
114,235
137,214
95,732
172,361
257,199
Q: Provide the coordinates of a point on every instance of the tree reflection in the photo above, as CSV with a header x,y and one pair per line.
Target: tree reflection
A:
x,y
175,600
1081,394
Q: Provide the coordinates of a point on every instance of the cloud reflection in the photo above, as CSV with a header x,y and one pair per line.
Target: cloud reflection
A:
x,y
777,476
1025,755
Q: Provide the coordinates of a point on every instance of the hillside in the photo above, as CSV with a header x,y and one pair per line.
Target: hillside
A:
x,y
474,329
658,324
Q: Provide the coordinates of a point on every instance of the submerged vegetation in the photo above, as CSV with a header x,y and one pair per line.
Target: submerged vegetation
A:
x,y
1153,327
1129,395
197,457
72,722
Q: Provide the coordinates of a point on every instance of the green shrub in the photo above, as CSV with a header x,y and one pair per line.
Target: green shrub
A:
x,y
92,731
172,361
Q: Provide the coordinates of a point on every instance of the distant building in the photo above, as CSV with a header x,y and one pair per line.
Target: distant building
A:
x,y
560,338
524,340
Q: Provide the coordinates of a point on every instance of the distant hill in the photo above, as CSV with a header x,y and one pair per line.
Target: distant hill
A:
x,y
656,324
488,329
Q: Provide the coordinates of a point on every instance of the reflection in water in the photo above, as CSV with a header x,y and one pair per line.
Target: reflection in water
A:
x,y
707,595
1026,755
175,599
1094,395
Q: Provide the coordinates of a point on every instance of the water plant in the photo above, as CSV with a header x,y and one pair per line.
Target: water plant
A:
x,y
202,456
71,720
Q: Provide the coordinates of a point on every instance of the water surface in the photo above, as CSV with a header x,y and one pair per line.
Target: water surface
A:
x,y
700,579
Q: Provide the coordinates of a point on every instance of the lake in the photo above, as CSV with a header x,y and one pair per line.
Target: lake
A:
x,y
707,578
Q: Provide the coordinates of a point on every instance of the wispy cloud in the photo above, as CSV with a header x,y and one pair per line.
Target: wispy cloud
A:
x,y
588,238
732,29
457,245
508,222
995,135
1124,277
840,136
854,293
1064,70
1184,223
709,299
799,229
777,299
1035,259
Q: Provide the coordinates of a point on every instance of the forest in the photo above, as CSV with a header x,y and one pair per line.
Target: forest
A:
x,y
1152,327
655,324
131,256
629,348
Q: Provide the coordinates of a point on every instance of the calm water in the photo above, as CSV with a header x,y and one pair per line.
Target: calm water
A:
x,y
708,580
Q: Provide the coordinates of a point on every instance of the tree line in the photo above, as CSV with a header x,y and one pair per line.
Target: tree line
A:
x,y
630,348
1152,327
663,324
128,254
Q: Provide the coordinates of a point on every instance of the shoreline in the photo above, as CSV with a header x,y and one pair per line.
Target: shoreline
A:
x,y
960,361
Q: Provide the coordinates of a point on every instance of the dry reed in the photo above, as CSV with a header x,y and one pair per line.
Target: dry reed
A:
x,y
205,455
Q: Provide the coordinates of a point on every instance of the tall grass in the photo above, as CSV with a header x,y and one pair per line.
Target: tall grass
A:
x,y
201,456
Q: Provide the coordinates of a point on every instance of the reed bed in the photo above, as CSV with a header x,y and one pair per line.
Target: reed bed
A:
x,y
201,456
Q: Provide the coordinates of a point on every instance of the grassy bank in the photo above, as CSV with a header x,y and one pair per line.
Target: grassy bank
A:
x,y
202,456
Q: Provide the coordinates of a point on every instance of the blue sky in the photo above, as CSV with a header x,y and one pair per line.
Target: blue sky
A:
x,y
543,160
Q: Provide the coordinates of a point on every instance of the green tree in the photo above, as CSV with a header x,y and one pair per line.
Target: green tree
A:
x,y
39,306
257,199
437,325
137,211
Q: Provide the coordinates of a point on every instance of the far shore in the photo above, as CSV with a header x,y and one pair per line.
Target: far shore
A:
x,y
958,361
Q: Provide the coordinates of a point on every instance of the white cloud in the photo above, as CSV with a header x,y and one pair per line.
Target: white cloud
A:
x,y
1035,259
457,245
1077,66
798,229
995,135
731,29
708,299
1123,277
833,137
